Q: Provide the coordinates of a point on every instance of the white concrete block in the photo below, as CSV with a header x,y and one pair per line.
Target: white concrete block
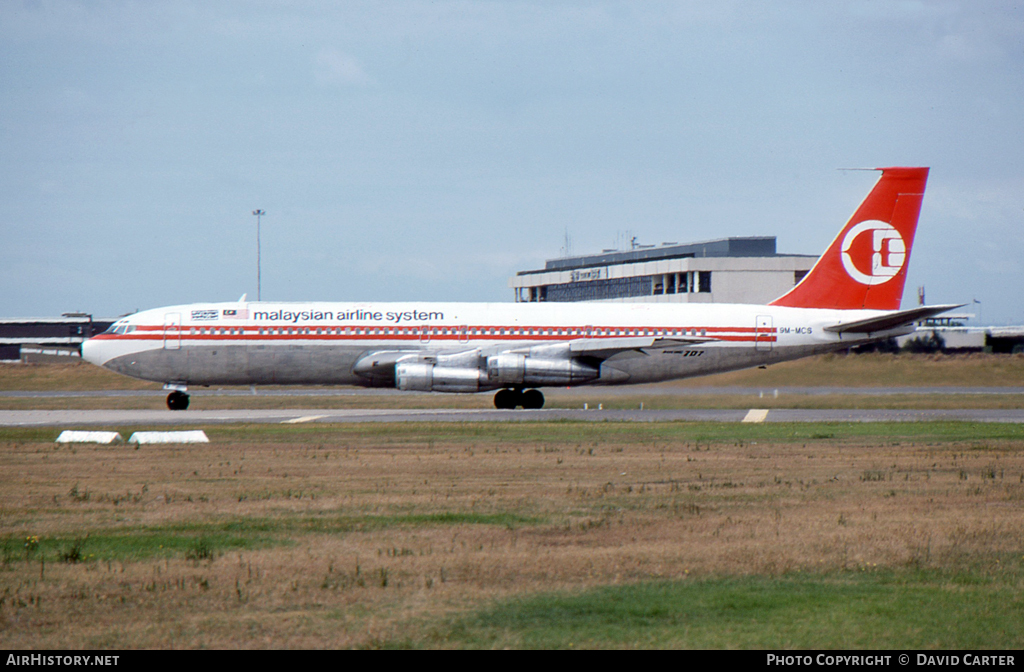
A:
x,y
76,436
189,436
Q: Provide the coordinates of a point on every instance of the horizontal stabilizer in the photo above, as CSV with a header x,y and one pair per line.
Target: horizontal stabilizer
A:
x,y
890,320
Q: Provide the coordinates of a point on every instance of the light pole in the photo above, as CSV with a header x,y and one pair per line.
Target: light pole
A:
x,y
259,214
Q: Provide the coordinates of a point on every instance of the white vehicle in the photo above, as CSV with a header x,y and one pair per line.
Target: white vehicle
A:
x,y
851,296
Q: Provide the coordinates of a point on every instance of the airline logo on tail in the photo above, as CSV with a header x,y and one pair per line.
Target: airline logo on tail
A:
x,y
888,252
865,267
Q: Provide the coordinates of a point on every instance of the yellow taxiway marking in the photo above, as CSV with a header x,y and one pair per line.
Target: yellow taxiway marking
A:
x,y
756,415
305,418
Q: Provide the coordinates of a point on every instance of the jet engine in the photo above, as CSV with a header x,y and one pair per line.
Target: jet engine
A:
x,y
427,377
471,371
509,368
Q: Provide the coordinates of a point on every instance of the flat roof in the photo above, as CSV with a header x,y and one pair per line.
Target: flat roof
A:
x,y
751,246
55,320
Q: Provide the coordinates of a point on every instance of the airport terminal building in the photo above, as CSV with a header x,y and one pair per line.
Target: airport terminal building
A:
x,y
47,338
727,270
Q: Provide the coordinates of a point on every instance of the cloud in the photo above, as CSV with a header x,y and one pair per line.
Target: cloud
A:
x,y
332,67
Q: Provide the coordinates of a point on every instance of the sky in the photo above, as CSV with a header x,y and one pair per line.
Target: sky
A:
x,y
429,150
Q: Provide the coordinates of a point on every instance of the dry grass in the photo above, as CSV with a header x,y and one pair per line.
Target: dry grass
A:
x,y
357,536
66,377
880,370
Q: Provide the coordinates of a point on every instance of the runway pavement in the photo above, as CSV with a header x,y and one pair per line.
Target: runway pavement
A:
x,y
162,418
634,390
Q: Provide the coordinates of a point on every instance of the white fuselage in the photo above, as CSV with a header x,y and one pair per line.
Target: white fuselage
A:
x,y
330,343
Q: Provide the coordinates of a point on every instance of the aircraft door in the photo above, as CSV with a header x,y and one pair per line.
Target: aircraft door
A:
x,y
763,333
172,331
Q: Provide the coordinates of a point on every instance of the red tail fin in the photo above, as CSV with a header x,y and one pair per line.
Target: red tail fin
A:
x,y
866,265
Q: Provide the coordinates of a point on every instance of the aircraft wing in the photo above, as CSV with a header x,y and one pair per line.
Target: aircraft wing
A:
x,y
381,363
603,348
892,320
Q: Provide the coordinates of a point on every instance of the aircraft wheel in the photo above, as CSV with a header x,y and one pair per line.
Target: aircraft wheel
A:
x,y
533,399
506,399
177,401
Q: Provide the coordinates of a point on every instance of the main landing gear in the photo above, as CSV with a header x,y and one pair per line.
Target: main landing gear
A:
x,y
509,399
177,401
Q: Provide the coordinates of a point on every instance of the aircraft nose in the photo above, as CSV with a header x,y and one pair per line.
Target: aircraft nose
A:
x,y
91,352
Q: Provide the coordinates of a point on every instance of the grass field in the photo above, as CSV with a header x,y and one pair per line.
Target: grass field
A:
x,y
499,535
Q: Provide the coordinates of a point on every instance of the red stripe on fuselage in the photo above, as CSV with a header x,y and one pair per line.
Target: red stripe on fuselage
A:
x,y
447,333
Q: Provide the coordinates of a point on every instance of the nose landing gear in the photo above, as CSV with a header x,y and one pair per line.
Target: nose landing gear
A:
x,y
509,399
177,401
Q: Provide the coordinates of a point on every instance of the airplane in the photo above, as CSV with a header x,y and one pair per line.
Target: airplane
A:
x,y
851,296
